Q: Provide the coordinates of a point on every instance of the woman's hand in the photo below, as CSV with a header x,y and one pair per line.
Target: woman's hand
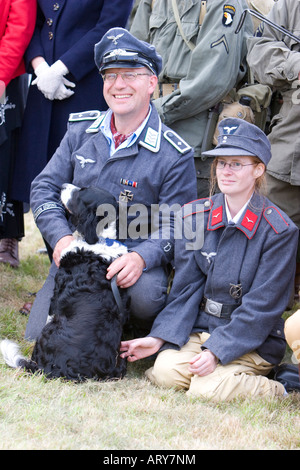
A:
x,y
139,348
204,363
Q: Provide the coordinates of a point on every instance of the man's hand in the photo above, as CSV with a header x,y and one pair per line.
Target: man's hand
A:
x,y
63,243
203,363
139,348
129,268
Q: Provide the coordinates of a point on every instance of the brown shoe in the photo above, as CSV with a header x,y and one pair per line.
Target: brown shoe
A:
x,y
25,310
9,252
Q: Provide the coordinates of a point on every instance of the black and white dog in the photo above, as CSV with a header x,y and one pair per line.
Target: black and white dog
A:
x,y
87,313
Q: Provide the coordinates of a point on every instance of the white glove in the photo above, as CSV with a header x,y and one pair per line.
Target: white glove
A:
x,y
51,82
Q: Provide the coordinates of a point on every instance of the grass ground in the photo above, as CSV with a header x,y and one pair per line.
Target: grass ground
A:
x,y
132,414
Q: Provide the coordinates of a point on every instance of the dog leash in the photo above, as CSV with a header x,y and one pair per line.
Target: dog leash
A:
x,y
116,294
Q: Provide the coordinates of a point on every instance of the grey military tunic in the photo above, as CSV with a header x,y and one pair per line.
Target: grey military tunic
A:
x,y
160,163
247,268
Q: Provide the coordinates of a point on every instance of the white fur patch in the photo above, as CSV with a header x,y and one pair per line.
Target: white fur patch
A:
x,y
11,353
108,252
66,193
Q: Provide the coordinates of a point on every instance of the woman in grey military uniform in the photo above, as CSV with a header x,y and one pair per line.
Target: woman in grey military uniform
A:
x,y
221,332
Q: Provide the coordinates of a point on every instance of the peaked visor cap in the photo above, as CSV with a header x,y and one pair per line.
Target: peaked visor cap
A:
x,y
241,138
120,49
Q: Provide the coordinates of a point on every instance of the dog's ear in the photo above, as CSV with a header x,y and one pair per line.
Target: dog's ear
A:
x,y
90,229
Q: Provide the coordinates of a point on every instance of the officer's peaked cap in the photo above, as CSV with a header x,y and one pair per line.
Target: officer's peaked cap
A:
x,y
241,138
120,49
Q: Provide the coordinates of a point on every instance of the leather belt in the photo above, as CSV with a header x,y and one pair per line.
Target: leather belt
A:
x,y
217,309
163,89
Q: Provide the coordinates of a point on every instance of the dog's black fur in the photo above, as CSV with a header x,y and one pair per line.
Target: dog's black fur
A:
x,y
82,339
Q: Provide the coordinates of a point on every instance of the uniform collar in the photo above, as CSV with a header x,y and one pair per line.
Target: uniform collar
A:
x,y
105,128
237,217
150,137
247,223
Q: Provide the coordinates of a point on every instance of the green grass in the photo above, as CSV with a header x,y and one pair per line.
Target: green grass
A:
x,y
130,414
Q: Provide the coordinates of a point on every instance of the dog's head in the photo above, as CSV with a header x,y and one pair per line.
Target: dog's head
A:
x,y
93,211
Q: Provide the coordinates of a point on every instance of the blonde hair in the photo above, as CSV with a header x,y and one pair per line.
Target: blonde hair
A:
x,y
260,182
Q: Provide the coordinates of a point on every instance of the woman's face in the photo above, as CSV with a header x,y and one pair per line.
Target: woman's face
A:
x,y
236,176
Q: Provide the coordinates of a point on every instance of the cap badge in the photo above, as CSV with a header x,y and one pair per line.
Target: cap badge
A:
x,y
230,130
115,38
120,52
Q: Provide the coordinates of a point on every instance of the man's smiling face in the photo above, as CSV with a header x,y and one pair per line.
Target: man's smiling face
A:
x,y
129,98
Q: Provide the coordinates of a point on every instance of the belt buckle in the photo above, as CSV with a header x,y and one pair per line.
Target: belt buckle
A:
x,y
214,308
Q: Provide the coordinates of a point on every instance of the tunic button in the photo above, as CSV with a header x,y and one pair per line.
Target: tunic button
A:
x,y
269,211
50,34
279,332
206,204
56,6
49,21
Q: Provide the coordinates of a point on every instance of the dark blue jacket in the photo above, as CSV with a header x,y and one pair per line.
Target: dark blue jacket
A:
x,y
249,265
65,30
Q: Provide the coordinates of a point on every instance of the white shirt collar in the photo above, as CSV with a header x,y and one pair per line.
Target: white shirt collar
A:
x,y
237,217
106,130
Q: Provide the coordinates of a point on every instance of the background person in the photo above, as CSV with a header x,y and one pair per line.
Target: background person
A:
x,y
221,331
17,22
65,78
203,60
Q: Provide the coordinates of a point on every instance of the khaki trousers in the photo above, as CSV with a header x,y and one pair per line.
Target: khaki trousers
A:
x,y
241,378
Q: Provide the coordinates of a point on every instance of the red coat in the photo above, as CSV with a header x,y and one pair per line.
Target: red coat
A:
x,y
17,22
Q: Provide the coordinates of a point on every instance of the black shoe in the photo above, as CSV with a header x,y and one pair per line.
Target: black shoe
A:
x,y
288,376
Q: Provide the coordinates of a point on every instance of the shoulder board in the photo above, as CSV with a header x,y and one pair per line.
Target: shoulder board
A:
x,y
196,207
177,141
274,217
96,124
84,116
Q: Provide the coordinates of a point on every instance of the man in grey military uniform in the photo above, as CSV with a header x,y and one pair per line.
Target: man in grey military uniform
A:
x,y
203,60
129,152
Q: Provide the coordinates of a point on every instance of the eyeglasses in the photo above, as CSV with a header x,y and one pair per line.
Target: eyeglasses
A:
x,y
126,76
234,166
